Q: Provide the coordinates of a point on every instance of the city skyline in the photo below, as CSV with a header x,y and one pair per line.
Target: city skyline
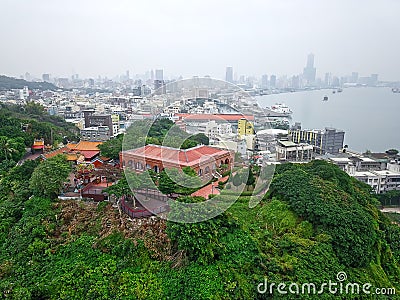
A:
x,y
105,38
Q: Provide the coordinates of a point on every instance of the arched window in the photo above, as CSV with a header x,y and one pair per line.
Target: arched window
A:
x,y
207,170
200,173
130,163
227,161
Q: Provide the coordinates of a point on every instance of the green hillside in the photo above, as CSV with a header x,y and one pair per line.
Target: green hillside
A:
x,y
8,83
314,223
20,125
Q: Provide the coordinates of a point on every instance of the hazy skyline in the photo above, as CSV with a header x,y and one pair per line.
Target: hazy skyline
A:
x,y
189,38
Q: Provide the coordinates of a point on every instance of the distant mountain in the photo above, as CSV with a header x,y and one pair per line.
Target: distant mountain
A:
x,y
7,83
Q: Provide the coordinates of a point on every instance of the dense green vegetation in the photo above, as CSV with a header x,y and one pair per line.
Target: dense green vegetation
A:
x,y
11,148
313,223
8,83
20,125
31,121
48,178
390,198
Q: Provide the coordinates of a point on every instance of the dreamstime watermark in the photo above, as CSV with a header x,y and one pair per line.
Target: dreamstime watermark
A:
x,y
199,97
339,287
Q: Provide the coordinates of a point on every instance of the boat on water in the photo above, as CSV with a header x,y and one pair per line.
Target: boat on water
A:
x,y
280,108
325,98
340,90
333,92
396,90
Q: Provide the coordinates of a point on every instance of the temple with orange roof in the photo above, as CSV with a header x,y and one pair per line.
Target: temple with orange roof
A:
x,y
84,151
38,144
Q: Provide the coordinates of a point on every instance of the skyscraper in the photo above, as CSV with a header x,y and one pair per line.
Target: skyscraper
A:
x,y
264,81
159,75
229,74
272,81
328,79
46,77
354,77
309,71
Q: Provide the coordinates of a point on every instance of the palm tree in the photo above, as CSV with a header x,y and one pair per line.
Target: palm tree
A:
x,y
6,147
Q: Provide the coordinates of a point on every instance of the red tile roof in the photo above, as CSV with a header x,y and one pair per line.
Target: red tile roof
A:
x,y
84,146
89,154
38,144
188,157
63,150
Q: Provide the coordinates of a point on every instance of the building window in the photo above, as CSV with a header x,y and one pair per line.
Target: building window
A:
x,y
207,170
200,172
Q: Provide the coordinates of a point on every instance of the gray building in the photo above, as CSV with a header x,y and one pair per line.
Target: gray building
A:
x,y
96,133
229,74
95,120
328,140
310,71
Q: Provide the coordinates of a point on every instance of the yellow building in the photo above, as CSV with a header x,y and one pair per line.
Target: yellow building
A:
x,y
245,127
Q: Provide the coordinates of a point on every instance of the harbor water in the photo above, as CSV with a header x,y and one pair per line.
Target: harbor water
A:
x,y
369,116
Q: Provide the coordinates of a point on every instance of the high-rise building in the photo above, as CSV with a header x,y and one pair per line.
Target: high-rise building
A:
x,y
159,75
229,74
159,87
310,71
272,81
264,81
354,77
328,79
295,82
46,77
329,140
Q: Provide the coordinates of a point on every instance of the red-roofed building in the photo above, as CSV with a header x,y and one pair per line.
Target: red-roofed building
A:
x,y
83,151
203,159
38,145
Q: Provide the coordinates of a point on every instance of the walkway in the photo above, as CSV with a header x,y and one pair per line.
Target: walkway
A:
x,y
210,189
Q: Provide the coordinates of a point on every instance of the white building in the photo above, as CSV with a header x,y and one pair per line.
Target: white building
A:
x,y
289,151
380,181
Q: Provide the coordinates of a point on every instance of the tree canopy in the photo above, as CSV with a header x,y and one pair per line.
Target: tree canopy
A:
x,y
48,178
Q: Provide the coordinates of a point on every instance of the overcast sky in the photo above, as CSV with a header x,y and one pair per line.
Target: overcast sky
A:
x,y
190,37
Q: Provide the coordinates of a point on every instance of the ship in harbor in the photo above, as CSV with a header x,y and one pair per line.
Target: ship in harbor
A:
x,y
279,109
